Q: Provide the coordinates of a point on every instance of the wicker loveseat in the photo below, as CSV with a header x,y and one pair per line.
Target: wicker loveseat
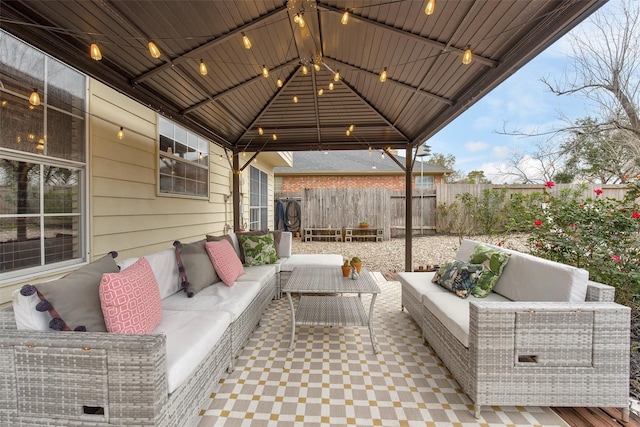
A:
x,y
545,336
162,378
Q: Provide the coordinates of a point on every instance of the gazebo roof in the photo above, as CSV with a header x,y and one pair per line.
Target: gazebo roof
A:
x,y
427,84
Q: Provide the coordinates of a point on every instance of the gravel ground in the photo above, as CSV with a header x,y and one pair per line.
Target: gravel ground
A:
x,y
388,256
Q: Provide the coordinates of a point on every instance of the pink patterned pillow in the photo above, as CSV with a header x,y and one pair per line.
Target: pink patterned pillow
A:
x,y
225,261
130,299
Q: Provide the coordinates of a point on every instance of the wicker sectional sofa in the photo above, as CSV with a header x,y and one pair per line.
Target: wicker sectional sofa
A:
x,y
158,379
545,335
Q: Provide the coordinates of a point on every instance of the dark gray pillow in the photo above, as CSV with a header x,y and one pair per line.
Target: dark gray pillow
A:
x,y
74,300
197,266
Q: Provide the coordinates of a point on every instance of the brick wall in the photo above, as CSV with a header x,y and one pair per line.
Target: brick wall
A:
x,y
292,184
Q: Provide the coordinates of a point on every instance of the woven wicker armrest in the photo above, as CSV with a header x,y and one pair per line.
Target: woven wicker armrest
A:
x,y
549,353
103,377
600,292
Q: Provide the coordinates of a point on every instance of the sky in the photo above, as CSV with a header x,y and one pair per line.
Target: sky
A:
x,y
523,103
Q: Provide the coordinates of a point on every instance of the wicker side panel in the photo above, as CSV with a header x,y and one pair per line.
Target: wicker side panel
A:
x,y
415,310
186,402
135,372
501,379
243,326
453,354
7,319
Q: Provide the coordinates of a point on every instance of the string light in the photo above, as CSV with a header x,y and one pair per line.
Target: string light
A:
x,y
246,42
316,66
467,57
95,52
300,21
244,153
305,70
383,75
430,8
351,127
260,131
34,98
331,86
265,71
320,92
203,68
382,156
274,137
345,17
279,83
295,99
348,132
40,146
121,133
336,76
153,50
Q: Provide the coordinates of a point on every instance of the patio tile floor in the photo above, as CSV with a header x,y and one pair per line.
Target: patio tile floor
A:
x,y
332,378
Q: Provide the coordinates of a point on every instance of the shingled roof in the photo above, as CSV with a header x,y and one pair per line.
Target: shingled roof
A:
x,y
351,162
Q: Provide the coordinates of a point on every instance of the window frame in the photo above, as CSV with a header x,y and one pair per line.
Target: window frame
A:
x,y
204,167
263,205
420,184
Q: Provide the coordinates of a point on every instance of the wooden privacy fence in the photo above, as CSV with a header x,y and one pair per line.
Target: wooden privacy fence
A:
x,y
384,209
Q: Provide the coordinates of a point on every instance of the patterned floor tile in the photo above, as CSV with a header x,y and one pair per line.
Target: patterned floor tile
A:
x,y
332,377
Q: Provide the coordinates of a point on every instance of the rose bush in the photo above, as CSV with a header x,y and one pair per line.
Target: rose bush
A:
x,y
599,234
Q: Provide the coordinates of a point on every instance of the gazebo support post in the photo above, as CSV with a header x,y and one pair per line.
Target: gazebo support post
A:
x,y
236,190
408,223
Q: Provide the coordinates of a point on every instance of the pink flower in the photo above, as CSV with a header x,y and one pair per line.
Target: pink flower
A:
x,y
538,244
537,223
635,214
616,258
499,243
598,191
572,225
549,184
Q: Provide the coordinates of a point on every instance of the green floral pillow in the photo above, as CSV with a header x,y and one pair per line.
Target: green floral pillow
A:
x,y
258,250
458,277
494,261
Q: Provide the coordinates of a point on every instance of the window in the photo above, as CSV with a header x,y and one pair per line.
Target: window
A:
x,y
258,200
424,181
42,161
183,161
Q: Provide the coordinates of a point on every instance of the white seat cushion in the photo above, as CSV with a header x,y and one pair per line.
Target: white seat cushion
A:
x,y
311,260
419,283
258,273
453,311
217,297
190,337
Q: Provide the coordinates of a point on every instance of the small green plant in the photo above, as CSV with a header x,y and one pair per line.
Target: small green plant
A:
x,y
356,259
346,262
364,223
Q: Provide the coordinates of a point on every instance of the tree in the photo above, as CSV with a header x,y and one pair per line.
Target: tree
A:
x,y
605,63
538,167
599,155
447,161
477,177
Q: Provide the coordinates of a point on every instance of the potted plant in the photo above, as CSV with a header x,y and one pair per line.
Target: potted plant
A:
x,y
346,268
364,224
357,263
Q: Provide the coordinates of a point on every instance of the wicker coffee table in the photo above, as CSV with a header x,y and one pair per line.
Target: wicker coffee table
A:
x,y
327,298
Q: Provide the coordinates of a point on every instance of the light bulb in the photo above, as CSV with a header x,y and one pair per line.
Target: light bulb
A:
x,y
467,56
203,68
301,22
121,133
265,71
345,17
336,76
383,75
351,126
153,50
316,67
331,86
260,131
244,153
279,83
275,137
95,52
305,70
431,6
320,92
34,98
246,42
40,146
382,156
348,132
295,99
220,158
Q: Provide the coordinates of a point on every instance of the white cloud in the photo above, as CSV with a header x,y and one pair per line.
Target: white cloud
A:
x,y
476,146
501,151
502,173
